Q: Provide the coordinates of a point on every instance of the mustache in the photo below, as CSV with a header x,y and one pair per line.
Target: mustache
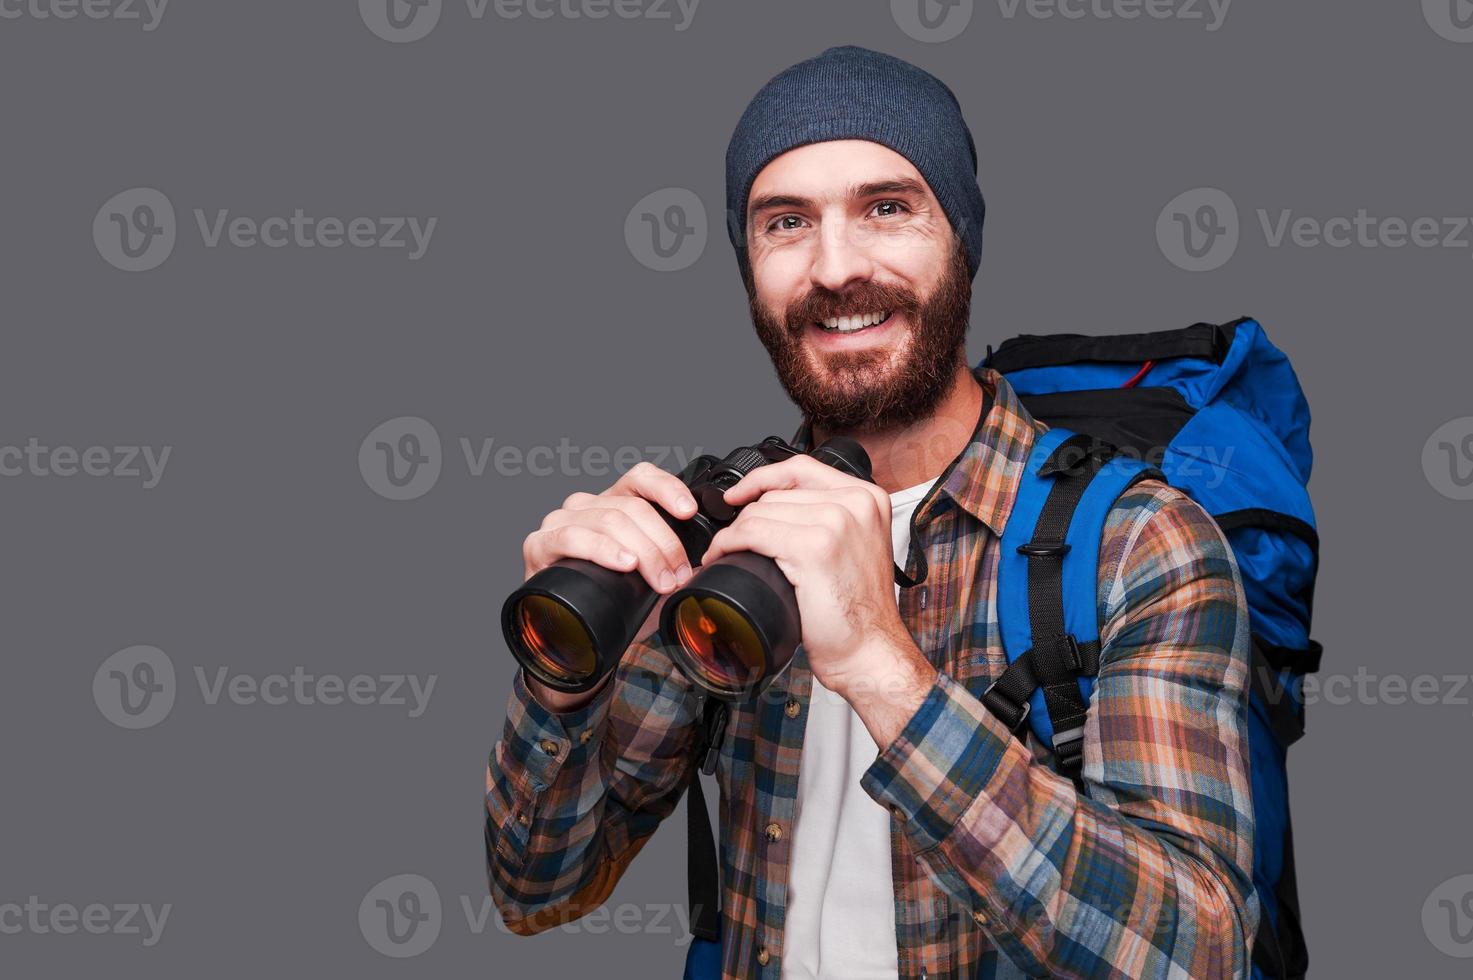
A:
x,y
870,297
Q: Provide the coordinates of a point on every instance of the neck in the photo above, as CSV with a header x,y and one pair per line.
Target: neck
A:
x,y
916,453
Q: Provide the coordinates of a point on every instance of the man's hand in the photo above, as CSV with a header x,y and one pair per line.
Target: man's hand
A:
x,y
620,530
830,535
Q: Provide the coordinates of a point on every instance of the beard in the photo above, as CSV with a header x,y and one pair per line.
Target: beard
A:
x,y
871,390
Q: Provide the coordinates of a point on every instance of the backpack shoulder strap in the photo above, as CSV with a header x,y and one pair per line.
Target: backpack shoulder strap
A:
x,y
1047,584
702,868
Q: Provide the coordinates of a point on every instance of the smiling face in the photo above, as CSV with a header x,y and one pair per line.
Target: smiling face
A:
x,y
860,289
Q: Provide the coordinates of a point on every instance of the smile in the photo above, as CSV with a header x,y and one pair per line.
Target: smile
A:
x,y
851,324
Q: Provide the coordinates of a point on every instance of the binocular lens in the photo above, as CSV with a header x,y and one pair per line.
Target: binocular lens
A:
x,y
720,643
556,640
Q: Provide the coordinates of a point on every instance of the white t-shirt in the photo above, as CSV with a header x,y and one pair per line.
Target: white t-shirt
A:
x,y
841,903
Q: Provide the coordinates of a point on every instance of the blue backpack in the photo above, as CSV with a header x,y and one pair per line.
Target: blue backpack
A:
x,y
1218,412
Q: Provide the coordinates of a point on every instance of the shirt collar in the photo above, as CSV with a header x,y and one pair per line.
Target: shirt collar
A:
x,y
983,478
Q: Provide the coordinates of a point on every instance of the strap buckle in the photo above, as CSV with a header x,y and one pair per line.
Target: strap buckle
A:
x,y
1043,549
713,742
1074,659
1069,750
1002,707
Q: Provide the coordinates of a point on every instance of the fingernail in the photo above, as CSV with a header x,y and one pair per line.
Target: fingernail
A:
x,y
682,574
627,558
667,581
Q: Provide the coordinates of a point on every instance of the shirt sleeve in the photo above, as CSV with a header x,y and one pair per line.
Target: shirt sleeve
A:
x,y
1148,873
571,797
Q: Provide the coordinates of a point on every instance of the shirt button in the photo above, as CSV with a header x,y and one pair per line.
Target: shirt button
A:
x,y
979,917
587,734
549,746
924,592
763,956
774,833
523,819
898,813
791,708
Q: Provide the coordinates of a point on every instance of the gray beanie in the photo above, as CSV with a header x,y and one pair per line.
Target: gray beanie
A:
x,y
856,93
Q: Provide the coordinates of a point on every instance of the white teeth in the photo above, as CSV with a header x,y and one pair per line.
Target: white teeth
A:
x,y
848,324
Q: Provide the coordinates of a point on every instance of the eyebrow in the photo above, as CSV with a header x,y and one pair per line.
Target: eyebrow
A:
x,y
873,188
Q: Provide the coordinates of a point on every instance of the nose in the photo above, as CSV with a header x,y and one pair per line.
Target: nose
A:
x,y
840,258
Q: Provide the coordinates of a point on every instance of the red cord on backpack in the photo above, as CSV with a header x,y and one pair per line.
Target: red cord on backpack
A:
x,y
1136,378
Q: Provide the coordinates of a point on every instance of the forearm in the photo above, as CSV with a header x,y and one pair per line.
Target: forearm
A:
x,y
1063,884
572,796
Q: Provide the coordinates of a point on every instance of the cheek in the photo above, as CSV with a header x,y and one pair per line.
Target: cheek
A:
x,y
779,283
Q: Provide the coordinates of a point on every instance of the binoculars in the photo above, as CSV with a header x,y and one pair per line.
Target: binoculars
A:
x,y
733,625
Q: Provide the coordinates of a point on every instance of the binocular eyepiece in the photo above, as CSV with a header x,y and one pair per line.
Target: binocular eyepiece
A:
x,y
731,627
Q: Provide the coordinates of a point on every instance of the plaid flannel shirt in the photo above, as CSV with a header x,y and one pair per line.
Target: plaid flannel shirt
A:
x,y
1000,867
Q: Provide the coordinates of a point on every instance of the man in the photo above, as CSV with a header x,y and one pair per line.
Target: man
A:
x,y
877,821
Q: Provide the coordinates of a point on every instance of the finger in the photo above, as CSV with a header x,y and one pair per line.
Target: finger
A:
x,y
862,501
654,484
798,472
630,536
765,536
543,547
649,522
821,514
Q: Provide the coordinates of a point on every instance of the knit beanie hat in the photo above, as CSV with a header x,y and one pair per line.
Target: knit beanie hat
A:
x,y
855,93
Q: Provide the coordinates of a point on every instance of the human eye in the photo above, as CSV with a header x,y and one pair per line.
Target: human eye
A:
x,y
888,209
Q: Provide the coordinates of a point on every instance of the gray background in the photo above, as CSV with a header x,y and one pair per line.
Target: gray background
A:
x,y
528,321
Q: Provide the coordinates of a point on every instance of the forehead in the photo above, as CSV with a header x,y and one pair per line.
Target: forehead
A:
x,y
826,171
